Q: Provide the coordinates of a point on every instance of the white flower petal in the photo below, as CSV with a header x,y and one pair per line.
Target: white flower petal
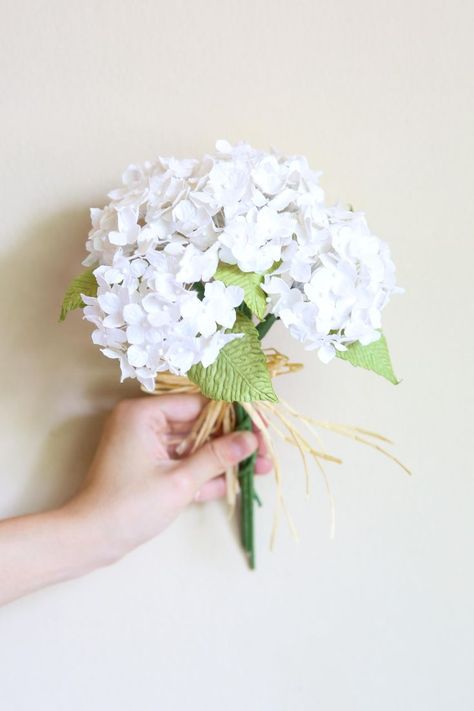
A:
x,y
326,353
137,356
133,313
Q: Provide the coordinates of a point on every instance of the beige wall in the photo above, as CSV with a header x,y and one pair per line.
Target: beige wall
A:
x,y
378,95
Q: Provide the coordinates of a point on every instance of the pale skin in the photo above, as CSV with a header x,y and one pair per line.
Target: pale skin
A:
x,y
133,490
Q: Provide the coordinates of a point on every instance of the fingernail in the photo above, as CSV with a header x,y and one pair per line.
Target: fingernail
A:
x,y
243,444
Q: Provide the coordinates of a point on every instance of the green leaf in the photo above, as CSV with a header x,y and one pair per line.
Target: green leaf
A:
x,y
86,284
254,296
373,357
240,373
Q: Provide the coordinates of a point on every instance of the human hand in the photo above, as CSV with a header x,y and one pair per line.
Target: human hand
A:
x,y
134,489
136,486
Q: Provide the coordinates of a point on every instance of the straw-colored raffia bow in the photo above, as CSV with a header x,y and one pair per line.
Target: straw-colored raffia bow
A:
x,y
218,417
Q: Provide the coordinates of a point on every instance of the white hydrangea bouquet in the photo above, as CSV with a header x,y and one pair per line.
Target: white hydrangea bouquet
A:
x,y
192,262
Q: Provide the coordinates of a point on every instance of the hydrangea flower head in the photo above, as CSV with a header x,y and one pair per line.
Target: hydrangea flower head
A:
x,y
157,246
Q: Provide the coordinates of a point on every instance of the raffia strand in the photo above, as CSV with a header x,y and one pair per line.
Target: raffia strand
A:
x,y
218,417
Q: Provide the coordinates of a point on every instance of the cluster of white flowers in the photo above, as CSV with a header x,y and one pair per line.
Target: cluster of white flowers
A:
x,y
166,229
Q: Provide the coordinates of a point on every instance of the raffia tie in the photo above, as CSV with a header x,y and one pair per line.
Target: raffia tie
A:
x,y
218,417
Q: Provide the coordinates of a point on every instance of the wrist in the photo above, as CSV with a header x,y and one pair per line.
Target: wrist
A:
x,y
86,536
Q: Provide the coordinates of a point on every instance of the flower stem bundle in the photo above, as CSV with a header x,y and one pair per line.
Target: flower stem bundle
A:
x,y
247,491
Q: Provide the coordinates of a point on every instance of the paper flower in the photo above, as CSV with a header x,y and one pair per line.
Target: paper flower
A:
x,y
191,258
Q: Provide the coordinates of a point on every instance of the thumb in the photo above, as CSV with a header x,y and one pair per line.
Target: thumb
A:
x,y
216,456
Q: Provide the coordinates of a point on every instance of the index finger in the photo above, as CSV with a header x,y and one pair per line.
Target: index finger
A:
x,y
175,408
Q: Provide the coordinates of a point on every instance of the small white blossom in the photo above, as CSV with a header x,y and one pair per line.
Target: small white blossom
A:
x,y
197,265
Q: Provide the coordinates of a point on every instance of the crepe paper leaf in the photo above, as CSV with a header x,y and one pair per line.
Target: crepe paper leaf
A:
x,y
254,296
240,373
248,494
85,283
373,357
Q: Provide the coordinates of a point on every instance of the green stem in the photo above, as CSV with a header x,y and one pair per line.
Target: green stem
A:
x,y
264,326
247,493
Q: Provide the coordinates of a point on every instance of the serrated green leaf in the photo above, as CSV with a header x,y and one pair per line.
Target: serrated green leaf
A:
x,y
240,372
375,357
250,282
85,283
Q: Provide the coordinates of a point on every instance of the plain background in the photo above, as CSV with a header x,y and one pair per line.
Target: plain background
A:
x,y
379,95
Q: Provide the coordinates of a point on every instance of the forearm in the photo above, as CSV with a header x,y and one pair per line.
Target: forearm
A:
x,y
46,548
